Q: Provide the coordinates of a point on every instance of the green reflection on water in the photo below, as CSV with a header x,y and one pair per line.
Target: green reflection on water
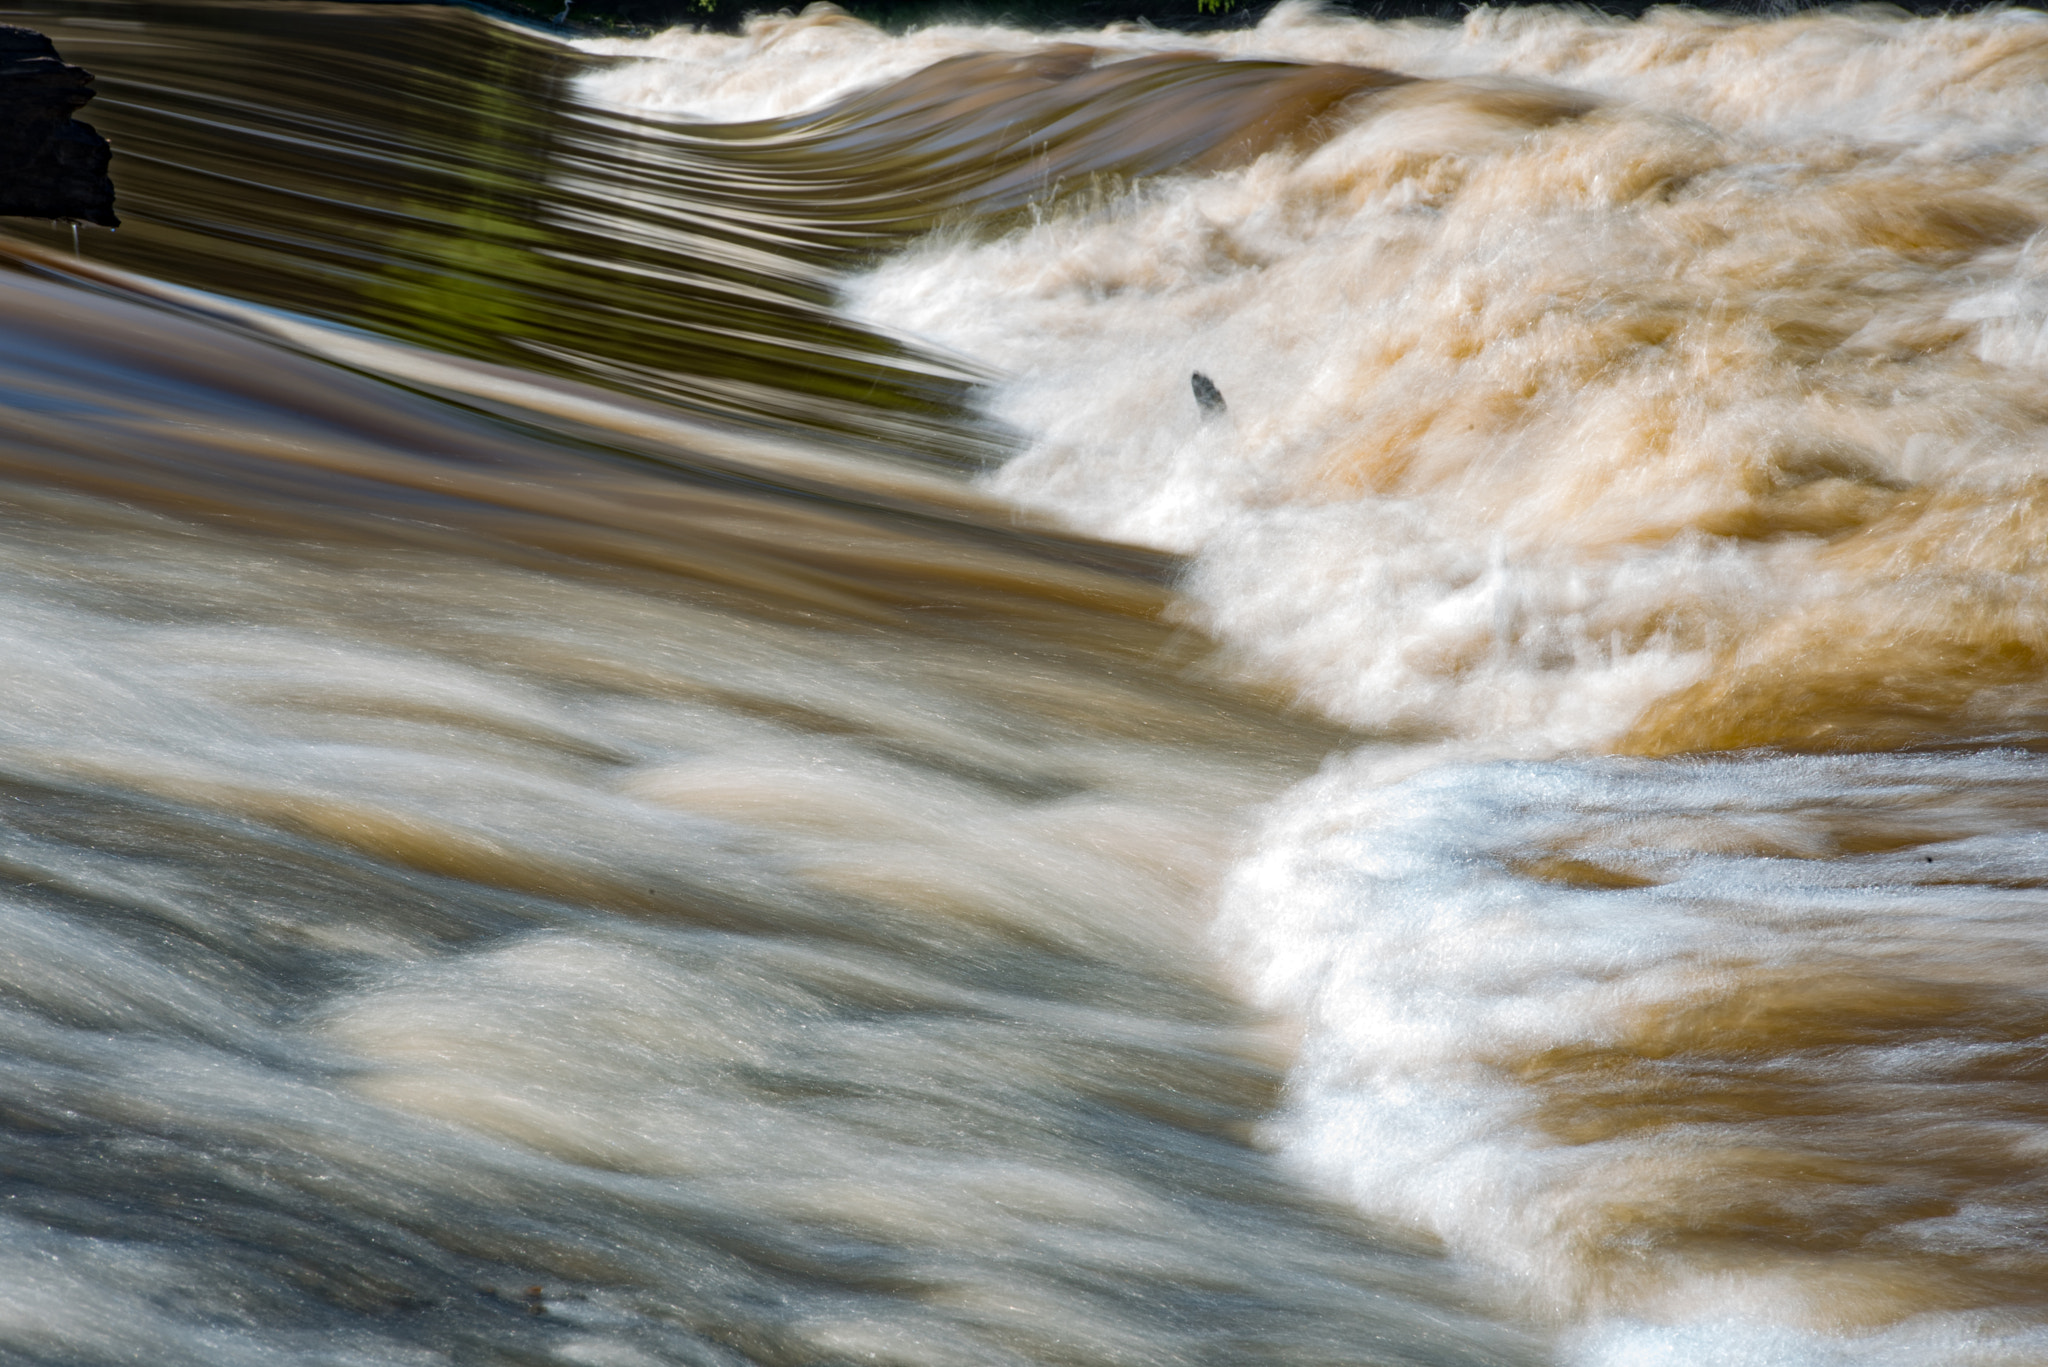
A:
x,y
419,172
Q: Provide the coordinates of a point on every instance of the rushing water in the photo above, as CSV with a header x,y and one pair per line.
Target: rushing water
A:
x,y
647,725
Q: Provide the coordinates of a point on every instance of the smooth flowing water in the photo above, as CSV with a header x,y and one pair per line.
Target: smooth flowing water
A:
x,y
646,723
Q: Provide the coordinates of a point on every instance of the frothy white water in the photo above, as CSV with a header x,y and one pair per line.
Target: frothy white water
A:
x,y
1549,401
458,927
1654,1044
1659,386
1871,74
434,945
777,66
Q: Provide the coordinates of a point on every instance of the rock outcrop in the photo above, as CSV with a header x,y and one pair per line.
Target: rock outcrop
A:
x,y
51,165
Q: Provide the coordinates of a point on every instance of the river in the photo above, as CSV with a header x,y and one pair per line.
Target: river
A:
x,y
651,720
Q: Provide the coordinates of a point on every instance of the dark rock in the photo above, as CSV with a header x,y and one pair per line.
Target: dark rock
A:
x,y
51,165
1207,395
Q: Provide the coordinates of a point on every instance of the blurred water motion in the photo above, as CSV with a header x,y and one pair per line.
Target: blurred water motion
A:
x,y
538,828
579,785
423,173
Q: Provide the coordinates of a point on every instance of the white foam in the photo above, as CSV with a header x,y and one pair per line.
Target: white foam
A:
x,y
780,65
1538,420
1446,988
1499,393
1867,75
1961,1340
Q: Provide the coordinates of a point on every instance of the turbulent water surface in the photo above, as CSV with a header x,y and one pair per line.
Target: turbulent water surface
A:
x,y
646,724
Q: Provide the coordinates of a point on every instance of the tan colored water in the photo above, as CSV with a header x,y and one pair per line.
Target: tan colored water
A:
x,y
582,788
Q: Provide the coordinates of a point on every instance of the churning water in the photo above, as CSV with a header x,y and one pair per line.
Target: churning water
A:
x,y
645,723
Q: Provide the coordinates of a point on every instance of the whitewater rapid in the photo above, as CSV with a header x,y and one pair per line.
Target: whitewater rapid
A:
x,y
1613,391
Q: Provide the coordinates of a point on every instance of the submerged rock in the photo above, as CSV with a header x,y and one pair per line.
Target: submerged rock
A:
x,y
1207,395
51,165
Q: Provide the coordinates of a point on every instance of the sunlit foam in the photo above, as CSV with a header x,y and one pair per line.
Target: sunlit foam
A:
x,y
1657,1040
1654,387
1663,405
